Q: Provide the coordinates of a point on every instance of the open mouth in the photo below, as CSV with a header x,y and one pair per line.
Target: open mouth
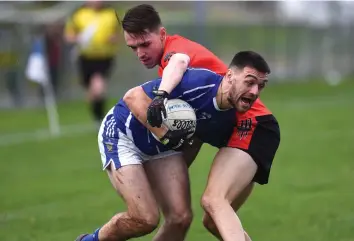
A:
x,y
246,100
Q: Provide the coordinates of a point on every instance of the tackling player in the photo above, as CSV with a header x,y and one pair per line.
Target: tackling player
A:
x,y
127,147
147,37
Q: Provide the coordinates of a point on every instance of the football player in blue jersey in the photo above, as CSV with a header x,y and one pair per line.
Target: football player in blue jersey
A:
x,y
141,168
248,156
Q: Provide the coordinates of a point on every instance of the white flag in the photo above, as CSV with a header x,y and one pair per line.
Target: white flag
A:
x,y
37,68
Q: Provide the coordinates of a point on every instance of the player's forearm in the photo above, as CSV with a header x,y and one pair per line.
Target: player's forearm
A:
x,y
138,103
173,73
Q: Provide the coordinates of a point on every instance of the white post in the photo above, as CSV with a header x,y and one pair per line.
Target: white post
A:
x,y
37,71
51,108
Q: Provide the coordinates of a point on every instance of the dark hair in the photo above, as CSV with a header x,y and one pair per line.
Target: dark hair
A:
x,y
140,19
250,59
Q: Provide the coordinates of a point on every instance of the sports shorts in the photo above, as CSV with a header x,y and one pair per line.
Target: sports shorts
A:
x,y
259,136
89,67
118,149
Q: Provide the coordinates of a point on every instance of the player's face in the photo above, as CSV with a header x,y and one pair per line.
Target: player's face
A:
x,y
247,85
148,47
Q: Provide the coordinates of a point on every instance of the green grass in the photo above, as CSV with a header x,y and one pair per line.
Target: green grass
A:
x,y
54,189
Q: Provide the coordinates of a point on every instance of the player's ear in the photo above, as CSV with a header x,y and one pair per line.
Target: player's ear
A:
x,y
229,74
163,33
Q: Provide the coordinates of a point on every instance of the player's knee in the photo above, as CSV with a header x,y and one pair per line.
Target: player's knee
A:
x,y
212,203
147,221
144,222
97,87
181,219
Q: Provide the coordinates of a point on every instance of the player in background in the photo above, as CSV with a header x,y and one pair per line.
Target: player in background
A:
x,y
94,30
144,33
127,148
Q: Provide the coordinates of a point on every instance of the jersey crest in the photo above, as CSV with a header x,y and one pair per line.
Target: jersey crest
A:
x,y
168,56
243,127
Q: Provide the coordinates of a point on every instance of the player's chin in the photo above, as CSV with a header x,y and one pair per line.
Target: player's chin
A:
x,y
148,65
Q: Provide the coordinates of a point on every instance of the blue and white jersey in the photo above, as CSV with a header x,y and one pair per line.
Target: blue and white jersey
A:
x,y
198,87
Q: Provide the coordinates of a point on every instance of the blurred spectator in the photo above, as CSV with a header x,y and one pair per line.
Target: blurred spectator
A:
x,y
53,46
9,64
94,28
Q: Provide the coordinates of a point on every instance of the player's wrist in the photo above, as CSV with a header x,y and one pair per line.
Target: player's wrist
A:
x,y
160,132
170,141
161,93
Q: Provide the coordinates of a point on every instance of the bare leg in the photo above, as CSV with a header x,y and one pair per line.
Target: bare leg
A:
x,y
142,216
231,172
170,182
236,205
96,97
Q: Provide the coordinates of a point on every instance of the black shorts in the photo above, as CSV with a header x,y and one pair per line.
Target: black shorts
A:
x,y
259,136
89,67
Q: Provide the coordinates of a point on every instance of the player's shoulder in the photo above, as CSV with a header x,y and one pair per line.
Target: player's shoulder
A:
x,y
201,76
177,39
175,44
201,71
180,42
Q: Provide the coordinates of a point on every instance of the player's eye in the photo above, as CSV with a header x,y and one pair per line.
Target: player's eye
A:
x,y
133,47
145,44
261,86
249,83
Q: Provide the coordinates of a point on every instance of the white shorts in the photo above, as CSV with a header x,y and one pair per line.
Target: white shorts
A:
x,y
118,149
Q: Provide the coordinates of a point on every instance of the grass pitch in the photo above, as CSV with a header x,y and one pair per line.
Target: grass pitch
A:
x,y
54,189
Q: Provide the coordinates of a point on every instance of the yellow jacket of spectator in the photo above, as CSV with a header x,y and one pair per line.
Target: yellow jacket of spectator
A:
x,y
94,31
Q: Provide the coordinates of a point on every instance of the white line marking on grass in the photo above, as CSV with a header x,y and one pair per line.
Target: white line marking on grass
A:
x,y
44,134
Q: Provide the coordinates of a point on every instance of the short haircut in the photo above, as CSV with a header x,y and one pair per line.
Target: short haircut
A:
x,y
140,19
250,59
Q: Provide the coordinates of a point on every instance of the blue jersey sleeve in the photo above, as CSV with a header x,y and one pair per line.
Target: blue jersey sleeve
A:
x,y
196,83
150,86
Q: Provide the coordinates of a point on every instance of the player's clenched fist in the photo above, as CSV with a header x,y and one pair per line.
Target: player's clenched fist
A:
x,y
174,139
156,110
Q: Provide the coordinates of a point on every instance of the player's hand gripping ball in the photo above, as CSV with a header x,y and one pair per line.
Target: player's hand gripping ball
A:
x,y
180,116
156,110
181,121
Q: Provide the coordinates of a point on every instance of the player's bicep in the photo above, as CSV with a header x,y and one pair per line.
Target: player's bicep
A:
x,y
179,58
173,56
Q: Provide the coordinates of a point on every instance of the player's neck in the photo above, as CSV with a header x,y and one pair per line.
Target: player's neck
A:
x,y
221,96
